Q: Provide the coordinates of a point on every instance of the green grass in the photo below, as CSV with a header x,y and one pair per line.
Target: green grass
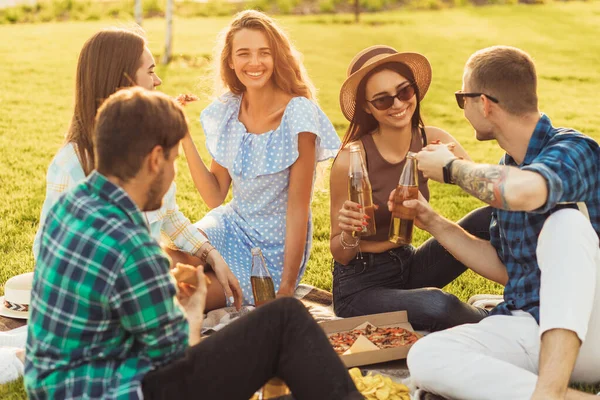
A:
x,y
38,65
88,10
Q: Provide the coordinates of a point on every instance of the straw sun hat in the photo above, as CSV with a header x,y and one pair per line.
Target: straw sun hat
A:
x,y
372,57
17,293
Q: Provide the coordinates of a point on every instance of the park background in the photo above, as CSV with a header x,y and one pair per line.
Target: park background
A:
x,y
40,43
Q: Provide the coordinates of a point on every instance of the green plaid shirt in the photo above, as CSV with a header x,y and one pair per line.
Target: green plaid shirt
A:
x,y
102,306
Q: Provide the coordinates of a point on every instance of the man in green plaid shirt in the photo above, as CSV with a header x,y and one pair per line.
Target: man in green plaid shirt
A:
x,y
104,321
103,310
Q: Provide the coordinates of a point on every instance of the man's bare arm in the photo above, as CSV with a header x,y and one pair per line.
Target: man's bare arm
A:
x,y
476,254
507,188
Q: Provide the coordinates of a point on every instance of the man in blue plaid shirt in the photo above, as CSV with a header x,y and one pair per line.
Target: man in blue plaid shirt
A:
x,y
104,322
543,249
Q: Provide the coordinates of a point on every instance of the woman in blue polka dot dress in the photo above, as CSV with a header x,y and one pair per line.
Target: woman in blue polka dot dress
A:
x,y
265,137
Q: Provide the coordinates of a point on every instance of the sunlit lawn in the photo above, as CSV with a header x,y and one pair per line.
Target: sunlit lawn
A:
x,y
37,66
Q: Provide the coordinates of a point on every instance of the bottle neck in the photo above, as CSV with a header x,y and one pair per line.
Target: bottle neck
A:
x,y
259,267
408,177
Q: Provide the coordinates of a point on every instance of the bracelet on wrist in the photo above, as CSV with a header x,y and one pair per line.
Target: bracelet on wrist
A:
x,y
346,245
207,249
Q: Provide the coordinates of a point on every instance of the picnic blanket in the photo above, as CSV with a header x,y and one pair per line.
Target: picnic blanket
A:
x,y
319,303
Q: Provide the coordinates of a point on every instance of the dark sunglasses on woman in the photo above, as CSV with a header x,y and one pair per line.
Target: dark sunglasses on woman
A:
x,y
385,102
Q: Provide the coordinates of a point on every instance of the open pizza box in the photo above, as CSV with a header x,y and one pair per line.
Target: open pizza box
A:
x,y
365,352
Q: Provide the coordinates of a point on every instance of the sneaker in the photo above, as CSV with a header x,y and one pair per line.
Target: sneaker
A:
x,y
486,301
421,394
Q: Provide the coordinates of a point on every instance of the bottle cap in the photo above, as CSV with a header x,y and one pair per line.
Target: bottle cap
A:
x,y
411,154
255,251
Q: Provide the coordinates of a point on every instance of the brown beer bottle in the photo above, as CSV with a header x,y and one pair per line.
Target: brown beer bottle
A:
x,y
263,291
359,189
260,278
401,225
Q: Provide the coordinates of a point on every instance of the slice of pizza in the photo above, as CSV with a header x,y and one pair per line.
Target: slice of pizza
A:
x,y
386,338
342,341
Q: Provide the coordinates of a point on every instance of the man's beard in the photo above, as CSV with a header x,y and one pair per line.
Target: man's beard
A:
x,y
154,197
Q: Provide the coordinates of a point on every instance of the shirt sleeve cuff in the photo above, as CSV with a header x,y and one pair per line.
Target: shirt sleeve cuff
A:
x,y
553,183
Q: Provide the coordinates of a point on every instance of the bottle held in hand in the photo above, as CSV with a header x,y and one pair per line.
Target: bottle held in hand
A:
x,y
263,289
359,190
401,226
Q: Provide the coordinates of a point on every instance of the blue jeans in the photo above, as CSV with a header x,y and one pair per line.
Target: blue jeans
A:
x,y
408,278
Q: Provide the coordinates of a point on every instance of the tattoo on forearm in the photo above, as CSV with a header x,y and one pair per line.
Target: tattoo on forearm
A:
x,y
486,182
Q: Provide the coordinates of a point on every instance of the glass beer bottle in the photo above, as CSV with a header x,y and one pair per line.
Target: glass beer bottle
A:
x,y
401,225
263,291
359,189
260,278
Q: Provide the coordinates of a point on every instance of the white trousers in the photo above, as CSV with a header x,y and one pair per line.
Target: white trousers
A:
x,y
498,358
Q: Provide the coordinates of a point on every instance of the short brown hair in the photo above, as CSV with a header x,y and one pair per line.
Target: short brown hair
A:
x,y
108,61
130,124
506,73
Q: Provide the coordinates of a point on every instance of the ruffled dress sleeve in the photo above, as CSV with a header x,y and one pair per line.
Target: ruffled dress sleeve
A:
x,y
220,124
249,155
303,115
277,150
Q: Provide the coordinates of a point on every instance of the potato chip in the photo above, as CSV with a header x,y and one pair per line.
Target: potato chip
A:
x,y
378,387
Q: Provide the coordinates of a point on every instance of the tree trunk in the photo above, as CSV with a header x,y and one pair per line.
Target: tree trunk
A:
x,y
356,10
169,39
138,11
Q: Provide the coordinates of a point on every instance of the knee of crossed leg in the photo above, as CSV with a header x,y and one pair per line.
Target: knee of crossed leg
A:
x,y
288,306
565,230
440,306
423,359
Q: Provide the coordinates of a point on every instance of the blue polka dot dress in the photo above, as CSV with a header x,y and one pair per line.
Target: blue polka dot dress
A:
x,y
259,166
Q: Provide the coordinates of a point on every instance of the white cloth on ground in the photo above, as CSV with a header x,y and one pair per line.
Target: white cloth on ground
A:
x,y
11,368
498,357
14,338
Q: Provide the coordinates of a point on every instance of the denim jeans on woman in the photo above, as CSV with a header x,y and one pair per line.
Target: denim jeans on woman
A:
x,y
409,278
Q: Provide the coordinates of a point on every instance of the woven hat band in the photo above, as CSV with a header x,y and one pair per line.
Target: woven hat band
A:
x,y
369,55
16,306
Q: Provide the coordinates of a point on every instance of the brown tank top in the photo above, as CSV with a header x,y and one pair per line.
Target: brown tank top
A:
x,y
384,178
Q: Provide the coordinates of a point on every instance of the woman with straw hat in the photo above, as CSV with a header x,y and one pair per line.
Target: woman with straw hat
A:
x,y
381,98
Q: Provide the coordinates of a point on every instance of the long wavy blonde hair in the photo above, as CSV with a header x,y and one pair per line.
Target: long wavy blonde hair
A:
x,y
289,73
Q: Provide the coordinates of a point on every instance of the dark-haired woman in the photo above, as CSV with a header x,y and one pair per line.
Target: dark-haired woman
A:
x,y
381,98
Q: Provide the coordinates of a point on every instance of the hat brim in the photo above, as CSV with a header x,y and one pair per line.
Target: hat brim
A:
x,y
5,312
418,64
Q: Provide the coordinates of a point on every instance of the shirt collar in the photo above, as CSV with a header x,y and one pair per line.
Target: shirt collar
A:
x,y
539,138
114,194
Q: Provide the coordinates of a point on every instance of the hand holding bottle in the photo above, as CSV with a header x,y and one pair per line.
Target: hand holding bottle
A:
x,y
425,215
357,216
351,218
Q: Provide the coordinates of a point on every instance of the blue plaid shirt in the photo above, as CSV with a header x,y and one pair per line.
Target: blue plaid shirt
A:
x,y
570,163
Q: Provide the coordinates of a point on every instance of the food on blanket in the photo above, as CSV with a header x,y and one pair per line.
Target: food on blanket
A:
x,y
183,99
384,338
378,387
184,273
361,344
